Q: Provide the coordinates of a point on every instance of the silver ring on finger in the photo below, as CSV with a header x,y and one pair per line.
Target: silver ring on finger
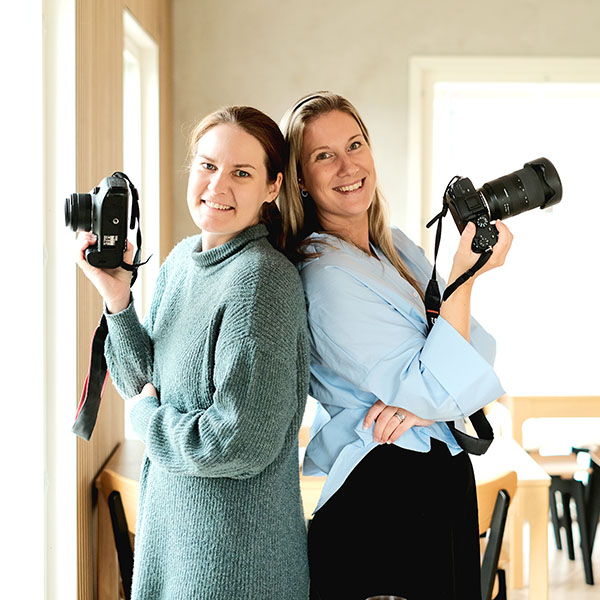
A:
x,y
400,417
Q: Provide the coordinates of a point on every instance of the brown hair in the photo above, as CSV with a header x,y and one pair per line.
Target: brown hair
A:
x,y
268,134
299,214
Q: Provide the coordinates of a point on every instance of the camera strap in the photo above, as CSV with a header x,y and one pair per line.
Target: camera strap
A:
x,y
135,218
472,445
95,381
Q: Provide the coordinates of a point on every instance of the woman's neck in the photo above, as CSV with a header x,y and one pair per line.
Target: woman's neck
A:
x,y
353,230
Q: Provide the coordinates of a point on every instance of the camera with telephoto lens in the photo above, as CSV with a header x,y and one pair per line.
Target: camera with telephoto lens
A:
x,y
536,184
104,212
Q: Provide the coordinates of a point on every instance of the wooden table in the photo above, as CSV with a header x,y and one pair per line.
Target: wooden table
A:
x,y
530,505
526,407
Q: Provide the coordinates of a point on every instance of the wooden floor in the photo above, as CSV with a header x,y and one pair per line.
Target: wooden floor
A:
x,y
567,581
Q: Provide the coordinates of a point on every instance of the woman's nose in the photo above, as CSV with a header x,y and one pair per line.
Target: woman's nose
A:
x,y
347,167
217,183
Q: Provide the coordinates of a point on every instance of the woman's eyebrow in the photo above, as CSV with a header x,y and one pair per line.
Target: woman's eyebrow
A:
x,y
212,160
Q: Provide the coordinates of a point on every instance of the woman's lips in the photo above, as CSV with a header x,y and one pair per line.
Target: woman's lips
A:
x,y
217,205
351,187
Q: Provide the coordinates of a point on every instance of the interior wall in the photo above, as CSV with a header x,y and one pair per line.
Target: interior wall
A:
x,y
268,53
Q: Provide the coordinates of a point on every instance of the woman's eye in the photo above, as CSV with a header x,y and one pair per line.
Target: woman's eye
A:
x,y
240,173
208,166
323,155
355,145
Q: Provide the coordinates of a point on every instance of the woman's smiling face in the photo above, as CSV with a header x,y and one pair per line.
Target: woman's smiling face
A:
x,y
338,170
228,183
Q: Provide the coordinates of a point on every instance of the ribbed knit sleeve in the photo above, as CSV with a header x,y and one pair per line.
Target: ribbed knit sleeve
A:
x,y
243,431
128,347
128,351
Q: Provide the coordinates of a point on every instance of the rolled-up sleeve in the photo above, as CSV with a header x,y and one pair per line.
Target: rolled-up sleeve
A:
x,y
383,350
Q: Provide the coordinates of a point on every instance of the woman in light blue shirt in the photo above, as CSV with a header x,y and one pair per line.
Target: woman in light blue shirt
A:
x,y
398,512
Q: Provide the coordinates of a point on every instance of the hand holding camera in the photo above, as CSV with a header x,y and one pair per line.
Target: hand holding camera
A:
x,y
103,251
106,257
537,184
466,256
112,284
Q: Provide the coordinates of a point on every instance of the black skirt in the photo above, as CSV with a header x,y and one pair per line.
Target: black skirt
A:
x,y
403,523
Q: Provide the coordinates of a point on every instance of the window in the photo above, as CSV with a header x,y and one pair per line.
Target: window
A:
x,y
38,302
141,151
141,143
538,306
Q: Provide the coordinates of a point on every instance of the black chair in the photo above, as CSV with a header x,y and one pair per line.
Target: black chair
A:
x,y
493,498
586,497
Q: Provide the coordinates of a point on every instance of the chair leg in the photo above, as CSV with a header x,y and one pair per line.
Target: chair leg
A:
x,y
554,518
568,522
122,542
593,503
579,497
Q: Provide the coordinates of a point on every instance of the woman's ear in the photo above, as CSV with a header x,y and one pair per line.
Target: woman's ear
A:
x,y
274,188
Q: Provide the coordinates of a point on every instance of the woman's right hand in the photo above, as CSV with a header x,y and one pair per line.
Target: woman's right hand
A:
x,y
113,284
456,309
465,258
388,429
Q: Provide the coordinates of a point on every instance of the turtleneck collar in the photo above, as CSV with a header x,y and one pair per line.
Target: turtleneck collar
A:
x,y
221,253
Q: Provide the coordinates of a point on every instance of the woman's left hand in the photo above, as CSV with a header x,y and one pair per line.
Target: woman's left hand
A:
x,y
147,390
388,426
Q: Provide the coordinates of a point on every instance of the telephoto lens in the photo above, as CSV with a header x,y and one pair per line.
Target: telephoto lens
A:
x,y
537,184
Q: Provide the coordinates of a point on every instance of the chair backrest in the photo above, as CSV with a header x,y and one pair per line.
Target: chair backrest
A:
x,y
493,497
487,492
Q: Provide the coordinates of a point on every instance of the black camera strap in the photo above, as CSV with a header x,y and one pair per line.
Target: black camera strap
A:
x,y
95,381
135,218
472,445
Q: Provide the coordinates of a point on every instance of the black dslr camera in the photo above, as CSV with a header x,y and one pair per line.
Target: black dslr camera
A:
x,y
536,184
104,212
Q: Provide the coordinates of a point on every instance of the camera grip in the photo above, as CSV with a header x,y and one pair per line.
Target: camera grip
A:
x,y
486,235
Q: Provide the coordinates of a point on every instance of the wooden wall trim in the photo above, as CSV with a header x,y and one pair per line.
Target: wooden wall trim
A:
x,y
99,152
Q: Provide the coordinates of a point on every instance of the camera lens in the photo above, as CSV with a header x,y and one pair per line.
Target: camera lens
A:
x,y
537,184
78,212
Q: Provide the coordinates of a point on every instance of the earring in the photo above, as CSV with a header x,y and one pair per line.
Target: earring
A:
x,y
304,193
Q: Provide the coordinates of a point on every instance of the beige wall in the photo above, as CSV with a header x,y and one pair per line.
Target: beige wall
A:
x,y
269,52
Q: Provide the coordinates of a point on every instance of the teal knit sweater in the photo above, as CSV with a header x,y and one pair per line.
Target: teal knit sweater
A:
x,y
225,344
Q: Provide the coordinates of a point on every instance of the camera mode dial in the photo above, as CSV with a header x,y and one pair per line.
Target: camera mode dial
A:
x,y
486,235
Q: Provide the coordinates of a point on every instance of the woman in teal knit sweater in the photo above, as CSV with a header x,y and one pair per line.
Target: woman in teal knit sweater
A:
x,y
220,371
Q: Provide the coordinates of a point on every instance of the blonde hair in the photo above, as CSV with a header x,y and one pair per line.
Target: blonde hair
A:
x,y
299,214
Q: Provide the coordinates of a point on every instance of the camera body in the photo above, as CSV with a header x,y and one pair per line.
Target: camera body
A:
x,y
537,184
103,211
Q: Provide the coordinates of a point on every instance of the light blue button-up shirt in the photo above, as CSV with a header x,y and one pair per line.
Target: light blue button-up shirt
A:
x,y
369,341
